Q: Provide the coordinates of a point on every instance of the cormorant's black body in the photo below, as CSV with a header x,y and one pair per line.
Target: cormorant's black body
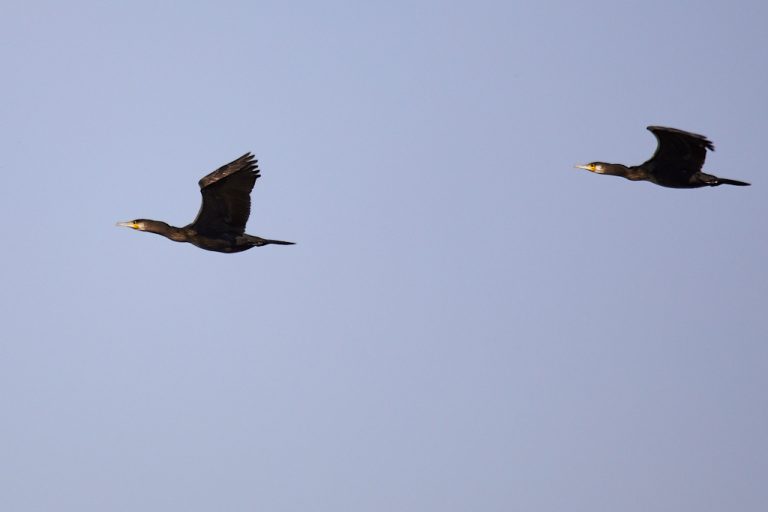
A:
x,y
220,223
676,163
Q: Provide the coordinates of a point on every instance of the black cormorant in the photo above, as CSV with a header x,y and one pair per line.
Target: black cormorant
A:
x,y
220,223
676,163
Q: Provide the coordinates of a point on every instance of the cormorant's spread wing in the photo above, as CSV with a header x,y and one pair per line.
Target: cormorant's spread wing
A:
x,y
678,151
227,198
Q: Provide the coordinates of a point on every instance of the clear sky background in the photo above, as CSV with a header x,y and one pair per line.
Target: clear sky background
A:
x,y
466,322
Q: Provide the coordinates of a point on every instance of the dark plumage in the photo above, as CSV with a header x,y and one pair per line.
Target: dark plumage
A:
x,y
220,223
676,163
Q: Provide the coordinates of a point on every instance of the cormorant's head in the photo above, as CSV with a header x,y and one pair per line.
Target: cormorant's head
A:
x,y
156,226
596,167
140,224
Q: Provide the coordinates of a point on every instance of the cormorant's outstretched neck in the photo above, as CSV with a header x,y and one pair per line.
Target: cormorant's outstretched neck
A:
x,y
220,223
676,163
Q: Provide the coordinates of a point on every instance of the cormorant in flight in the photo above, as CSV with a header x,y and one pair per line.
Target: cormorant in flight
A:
x,y
676,163
220,223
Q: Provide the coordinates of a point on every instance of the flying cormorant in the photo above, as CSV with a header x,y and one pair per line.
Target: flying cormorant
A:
x,y
220,223
676,163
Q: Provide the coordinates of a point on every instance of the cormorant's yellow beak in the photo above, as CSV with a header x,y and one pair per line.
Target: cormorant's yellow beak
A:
x,y
131,224
589,167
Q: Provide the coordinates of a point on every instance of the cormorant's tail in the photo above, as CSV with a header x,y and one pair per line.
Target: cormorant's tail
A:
x,y
258,241
283,242
726,181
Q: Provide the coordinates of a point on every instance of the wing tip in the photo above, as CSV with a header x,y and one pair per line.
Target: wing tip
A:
x,y
246,162
707,143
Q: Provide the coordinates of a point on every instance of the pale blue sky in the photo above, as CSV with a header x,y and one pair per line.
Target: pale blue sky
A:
x,y
466,322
